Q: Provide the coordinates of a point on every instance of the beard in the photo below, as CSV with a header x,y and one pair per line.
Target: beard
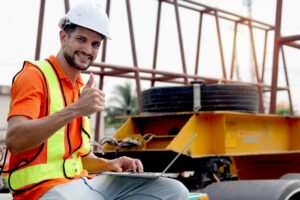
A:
x,y
72,62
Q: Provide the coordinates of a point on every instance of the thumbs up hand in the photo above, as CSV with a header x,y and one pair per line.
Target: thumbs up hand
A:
x,y
90,82
91,99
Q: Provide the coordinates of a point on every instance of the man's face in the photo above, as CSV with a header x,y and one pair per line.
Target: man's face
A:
x,y
81,48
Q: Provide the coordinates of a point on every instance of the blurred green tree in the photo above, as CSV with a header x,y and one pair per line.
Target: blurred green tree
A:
x,y
124,102
281,110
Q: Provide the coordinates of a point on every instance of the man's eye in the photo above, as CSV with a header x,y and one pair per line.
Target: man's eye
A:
x,y
96,44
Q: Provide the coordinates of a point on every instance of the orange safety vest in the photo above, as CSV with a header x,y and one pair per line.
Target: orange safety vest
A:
x,y
53,159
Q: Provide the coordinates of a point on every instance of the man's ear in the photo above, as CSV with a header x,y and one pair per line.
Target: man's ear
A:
x,y
63,36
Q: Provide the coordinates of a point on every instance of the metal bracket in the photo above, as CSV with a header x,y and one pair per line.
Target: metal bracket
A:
x,y
197,95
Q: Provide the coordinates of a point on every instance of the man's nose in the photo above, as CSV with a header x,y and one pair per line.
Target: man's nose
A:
x,y
87,49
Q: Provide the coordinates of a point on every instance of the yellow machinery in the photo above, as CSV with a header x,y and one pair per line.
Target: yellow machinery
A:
x,y
252,146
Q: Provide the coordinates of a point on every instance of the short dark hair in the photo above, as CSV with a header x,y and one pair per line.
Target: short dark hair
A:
x,y
70,28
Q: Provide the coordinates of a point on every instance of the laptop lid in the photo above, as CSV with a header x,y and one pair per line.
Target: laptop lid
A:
x,y
176,157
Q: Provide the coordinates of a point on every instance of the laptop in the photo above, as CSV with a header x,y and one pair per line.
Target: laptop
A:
x,y
149,174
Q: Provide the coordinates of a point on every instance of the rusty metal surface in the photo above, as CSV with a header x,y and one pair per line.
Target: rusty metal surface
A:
x,y
40,30
276,57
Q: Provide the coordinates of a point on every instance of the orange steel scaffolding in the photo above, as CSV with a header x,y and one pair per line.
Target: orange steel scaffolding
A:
x,y
134,72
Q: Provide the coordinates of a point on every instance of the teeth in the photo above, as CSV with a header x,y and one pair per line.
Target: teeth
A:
x,y
84,55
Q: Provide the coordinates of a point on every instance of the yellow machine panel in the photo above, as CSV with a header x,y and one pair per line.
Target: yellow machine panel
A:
x,y
219,133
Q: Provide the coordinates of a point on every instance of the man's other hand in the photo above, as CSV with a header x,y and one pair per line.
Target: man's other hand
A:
x,y
124,163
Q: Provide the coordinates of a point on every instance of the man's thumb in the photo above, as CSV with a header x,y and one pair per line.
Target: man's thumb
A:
x,y
116,168
90,82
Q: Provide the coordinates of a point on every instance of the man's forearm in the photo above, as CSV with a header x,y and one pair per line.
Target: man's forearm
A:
x,y
24,133
92,163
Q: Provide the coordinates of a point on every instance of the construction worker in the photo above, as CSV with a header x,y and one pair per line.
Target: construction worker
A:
x,y
48,132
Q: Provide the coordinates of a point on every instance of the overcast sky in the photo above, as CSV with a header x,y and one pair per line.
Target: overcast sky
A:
x,y
19,20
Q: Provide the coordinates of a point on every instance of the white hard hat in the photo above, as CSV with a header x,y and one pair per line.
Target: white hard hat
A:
x,y
88,15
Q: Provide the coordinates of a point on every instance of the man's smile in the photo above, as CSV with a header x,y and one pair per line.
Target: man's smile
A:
x,y
83,56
